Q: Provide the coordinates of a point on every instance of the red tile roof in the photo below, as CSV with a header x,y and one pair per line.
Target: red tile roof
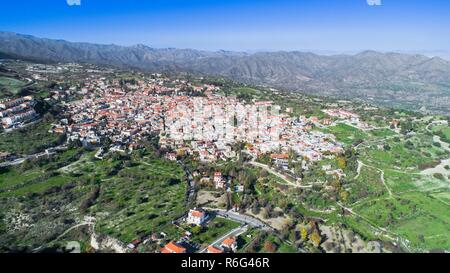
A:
x,y
229,241
213,249
197,213
173,247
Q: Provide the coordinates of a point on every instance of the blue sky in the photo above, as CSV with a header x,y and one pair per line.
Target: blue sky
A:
x,y
318,25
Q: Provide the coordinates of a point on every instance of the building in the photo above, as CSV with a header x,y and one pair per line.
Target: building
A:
x,y
239,188
281,160
219,182
173,247
214,249
229,244
171,156
196,217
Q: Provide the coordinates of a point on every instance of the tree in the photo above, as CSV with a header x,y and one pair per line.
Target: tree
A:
x,y
26,165
406,127
315,238
91,199
197,230
421,238
255,208
304,233
342,164
344,196
173,181
293,236
269,246
409,145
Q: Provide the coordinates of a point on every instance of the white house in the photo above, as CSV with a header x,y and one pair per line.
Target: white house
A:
x,y
196,217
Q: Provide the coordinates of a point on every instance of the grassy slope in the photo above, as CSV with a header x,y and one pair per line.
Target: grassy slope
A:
x,y
53,203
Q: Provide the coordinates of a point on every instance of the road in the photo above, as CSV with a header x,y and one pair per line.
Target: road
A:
x,y
245,219
89,221
18,161
282,176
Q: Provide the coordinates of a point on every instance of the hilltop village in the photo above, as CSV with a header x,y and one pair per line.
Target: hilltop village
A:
x,y
206,125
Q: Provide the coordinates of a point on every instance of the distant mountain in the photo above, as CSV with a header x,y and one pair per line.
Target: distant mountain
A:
x,y
394,79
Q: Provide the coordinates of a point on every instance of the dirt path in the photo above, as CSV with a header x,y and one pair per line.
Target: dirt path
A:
x,y
388,233
279,175
362,164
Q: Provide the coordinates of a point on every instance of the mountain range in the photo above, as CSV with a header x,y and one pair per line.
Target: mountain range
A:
x,y
410,81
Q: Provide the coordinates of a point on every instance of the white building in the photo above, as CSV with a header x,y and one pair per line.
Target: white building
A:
x,y
196,217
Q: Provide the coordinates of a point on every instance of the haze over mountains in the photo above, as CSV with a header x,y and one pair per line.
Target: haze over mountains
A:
x,y
392,79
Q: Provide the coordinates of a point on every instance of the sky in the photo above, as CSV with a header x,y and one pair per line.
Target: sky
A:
x,y
246,25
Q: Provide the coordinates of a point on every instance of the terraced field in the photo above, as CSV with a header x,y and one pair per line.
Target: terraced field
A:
x,y
10,86
417,209
130,197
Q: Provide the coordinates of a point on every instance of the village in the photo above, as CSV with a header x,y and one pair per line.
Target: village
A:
x,y
244,173
201,128
199,122
206,125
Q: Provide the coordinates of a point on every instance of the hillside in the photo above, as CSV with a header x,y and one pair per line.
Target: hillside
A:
x,y
401,80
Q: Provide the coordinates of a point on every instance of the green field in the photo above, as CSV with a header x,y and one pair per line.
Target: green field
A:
x,y
382,132
446,132
136,196
34,138
346,134
10,85
416,216
217,227
444,129
255,244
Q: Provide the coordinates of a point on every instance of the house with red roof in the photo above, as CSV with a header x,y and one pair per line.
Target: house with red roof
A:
x,y
173,247
219,182
196,217
229,244
214,249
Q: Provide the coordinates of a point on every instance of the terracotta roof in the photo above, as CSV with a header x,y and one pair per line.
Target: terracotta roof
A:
x,y
197,213
213,249
172,247
279,156
229,241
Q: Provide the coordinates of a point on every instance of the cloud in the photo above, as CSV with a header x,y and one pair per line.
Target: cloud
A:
x,y
74,2
374,2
